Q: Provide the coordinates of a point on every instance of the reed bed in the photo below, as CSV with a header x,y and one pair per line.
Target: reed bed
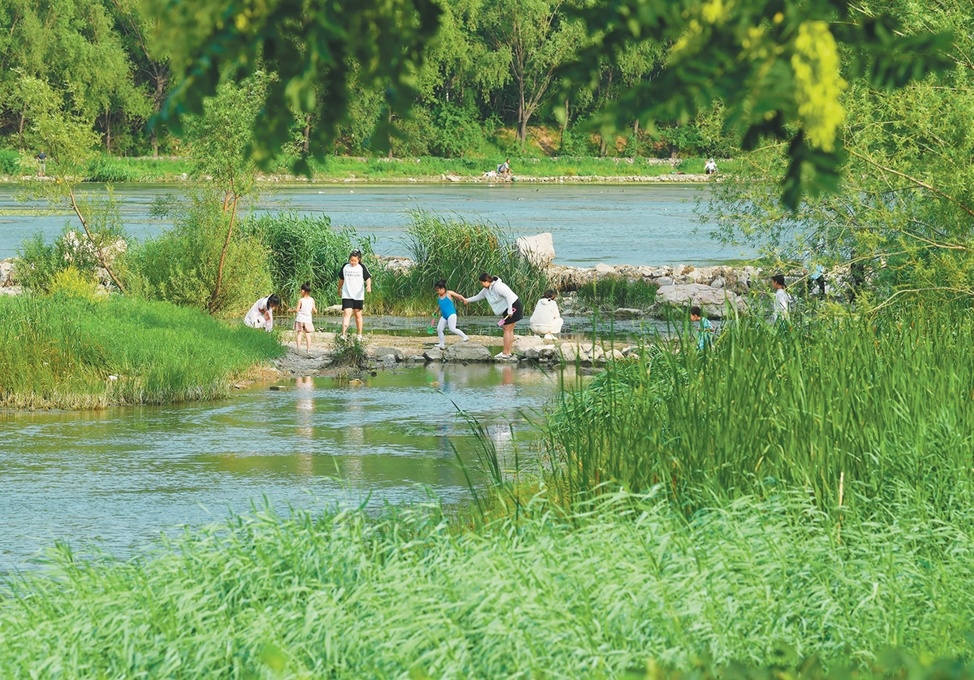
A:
x,y
864,404
625,581
457,251
69,352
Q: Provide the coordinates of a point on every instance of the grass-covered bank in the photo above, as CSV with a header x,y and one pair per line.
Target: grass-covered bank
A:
x,y
69,352
607,590
121,170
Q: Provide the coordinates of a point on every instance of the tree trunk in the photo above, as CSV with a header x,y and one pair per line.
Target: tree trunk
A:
x,y
603,147
306,146
564,125
223,253
98,251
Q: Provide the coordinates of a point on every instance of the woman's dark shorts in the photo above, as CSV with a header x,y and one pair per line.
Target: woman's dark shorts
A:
x,y
349,303
518,313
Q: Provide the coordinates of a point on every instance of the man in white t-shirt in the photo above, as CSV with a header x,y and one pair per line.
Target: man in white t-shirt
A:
x,y
354,281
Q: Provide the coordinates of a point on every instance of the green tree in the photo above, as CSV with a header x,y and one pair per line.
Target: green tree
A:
x,y
219,140
905,213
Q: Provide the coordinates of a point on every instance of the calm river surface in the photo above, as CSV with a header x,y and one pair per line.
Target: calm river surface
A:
x,y
615,224
116,479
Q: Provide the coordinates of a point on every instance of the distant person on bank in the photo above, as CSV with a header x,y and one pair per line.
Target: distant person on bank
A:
x,y
261,314
354,281
504,169
505,302
710,167
41,164
546,320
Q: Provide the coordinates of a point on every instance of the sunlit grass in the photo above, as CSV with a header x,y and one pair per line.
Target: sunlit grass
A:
x,y
68,352
590,595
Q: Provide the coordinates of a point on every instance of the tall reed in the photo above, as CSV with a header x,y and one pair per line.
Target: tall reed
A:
x,y
456,250
860,403
624,583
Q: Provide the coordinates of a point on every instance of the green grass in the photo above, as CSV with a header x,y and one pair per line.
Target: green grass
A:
x,y
615,292
61,352
115,169
457,251
593,595
865,404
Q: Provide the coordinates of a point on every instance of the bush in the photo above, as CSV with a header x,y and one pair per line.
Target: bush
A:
x,y
180,266
9,162
109,170
457,251
71,282
305,249
39,262
456,132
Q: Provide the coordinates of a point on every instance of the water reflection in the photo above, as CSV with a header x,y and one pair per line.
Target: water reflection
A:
x,y
120,476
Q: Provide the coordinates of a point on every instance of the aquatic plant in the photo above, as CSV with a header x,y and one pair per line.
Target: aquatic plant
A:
x,y
456,250
869,403
623,583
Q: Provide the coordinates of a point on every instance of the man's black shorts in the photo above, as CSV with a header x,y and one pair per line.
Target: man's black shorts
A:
x,y
349,303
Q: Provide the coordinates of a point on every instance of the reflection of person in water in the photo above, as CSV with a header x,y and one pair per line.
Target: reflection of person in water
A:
x,y
304,387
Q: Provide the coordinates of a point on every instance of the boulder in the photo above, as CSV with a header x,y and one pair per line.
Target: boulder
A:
x,y
664,281
719,282
433,354
539,249
602,269
380,353
526,342
627,313
467,351
568,352
711,300
11,290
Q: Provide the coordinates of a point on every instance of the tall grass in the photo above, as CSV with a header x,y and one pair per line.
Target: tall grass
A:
x,y
864,404
616,291
306,249
68,352
458,251
622,583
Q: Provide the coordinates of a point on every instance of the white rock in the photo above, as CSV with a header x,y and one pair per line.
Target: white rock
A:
x,y
603,269
540,249
7,272
719,282
467,351
712,300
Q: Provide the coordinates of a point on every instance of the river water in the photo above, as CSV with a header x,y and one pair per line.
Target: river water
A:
x,y
115,479
616,224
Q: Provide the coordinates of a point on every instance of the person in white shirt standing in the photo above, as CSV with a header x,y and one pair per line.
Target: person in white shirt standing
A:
x,y
781,298
354,281
304,318
505,302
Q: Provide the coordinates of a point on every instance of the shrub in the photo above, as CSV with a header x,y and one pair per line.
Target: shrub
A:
x,y
9,162
180,265
71,282
304,248
457,251
39,262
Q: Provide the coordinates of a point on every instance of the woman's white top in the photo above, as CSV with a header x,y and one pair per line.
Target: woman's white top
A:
x,y
255,317
546,318
499,295
305,305
780,304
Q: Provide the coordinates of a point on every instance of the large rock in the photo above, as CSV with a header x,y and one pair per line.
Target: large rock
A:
x,y
713,301
383,353
467,351
540,249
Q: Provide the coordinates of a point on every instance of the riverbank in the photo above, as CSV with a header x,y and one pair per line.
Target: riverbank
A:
x,y
77,353
361,170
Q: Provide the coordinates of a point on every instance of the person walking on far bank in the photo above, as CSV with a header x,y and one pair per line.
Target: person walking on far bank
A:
x,y
505,302
41,164
354,281
781,298
448,312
